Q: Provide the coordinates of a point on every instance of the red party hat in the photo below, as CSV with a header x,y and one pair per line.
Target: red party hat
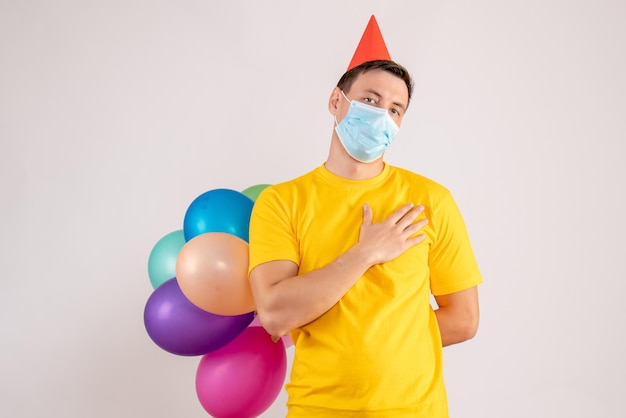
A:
x,y
371,46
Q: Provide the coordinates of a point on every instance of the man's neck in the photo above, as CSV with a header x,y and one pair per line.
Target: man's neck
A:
x,y
351,169
341,164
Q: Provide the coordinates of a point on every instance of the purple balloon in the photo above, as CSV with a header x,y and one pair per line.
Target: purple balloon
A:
x,y
180,327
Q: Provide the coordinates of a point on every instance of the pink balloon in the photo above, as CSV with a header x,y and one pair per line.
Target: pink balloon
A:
x,y
243,378
286,338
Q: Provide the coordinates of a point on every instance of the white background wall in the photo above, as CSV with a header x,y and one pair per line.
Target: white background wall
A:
x,y
115,115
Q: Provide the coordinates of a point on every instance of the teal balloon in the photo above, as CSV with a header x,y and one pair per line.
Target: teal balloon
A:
x,y
162,259
254,191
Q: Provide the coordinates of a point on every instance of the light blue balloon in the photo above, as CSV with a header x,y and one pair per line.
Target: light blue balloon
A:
x,y
219,210
162,259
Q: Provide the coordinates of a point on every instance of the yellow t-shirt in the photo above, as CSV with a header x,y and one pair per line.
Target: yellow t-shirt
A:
x,y
377,352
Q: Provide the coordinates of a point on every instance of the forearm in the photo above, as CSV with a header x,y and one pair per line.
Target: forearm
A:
x,y
453,330
458,316
299,299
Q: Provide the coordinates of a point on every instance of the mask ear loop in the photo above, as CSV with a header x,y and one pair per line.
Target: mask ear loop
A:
x,y
349,101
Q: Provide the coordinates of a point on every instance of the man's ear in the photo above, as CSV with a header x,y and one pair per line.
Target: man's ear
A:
x,y
333,101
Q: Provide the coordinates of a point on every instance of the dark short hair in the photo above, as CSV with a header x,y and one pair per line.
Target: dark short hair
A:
x,y
346,80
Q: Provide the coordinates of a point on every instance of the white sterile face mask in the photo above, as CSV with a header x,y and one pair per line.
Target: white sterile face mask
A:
x,y
366,131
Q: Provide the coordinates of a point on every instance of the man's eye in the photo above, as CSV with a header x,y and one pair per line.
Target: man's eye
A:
x,y
394,111
369,100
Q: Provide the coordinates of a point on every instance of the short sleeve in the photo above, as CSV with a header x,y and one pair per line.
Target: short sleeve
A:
x,y
451,259
272,235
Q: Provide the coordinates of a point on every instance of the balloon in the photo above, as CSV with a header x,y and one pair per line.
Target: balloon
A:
x,y
162,259
179,327
212,271
286,338
219,210
243,378
254,191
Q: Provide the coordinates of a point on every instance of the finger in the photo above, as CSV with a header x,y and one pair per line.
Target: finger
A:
x,y
400,213
414,228
416,240
410,216
367,214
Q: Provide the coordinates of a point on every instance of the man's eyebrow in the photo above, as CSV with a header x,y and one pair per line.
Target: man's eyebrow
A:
x,y
375,93
400,105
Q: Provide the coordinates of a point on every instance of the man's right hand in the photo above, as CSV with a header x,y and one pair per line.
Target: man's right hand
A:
x,y
386,240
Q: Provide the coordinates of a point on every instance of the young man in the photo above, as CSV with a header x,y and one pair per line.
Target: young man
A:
x,y
345,258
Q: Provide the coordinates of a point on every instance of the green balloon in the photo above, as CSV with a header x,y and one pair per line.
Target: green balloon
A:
x,y
253,191
162,260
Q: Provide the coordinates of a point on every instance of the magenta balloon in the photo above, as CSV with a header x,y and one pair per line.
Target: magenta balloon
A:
x,y
180,327
286,338
243,378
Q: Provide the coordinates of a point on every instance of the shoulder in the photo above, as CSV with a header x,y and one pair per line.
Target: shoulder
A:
x,y
286,191
426,184
289,187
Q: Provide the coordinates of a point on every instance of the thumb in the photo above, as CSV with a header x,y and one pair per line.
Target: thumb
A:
x,y
367,214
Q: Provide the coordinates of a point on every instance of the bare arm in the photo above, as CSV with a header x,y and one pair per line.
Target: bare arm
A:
x,y
458,316
286,300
